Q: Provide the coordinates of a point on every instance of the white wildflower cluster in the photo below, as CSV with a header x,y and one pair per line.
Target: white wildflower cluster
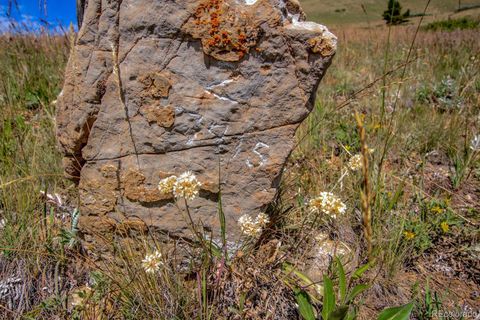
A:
x,y
328,203
252,227
355,163
185,186
475,143
167,185
152,262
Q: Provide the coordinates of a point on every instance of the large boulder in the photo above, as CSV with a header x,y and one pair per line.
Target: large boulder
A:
x,y
155,88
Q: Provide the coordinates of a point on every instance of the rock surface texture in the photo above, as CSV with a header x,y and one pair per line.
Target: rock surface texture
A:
x,y
155,88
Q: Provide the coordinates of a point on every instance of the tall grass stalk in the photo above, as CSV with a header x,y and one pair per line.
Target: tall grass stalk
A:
x,y
365,195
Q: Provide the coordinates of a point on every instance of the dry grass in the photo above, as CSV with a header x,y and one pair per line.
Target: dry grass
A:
x,y
421,144
347,12
418,121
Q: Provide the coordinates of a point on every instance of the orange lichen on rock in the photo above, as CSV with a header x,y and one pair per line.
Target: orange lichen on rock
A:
x,y
226,33
322,45
134,188
163,116
100,195
156,85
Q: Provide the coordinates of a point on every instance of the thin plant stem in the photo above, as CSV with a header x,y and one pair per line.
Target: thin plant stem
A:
x,y
365,196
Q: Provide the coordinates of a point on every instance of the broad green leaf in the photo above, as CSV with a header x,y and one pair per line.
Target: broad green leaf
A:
x,y
397,313
306,281
342,280
304,305
328,298
359,288
290,269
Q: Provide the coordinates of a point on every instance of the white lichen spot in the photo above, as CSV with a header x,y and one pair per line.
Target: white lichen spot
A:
x,y
250,2
221,84
261,151
218,130
257,150
238,149
179,110
191,140
221,97
198,118
311,26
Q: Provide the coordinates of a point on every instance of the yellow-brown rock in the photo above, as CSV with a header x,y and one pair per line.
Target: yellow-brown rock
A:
x,y
157,88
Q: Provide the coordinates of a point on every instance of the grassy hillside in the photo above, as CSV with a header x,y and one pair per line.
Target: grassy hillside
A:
x,y
340,12
407,109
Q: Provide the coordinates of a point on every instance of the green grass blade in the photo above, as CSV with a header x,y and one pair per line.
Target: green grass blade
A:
x,y
221,214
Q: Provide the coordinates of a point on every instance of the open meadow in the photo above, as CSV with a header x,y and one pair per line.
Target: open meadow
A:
x,y
342,12
394,136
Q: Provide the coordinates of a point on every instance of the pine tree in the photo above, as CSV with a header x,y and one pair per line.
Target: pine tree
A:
x,y
393,14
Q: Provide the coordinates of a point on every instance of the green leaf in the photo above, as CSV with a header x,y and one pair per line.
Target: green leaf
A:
x,y
342,280
221,217
304,305
214,249
221,214
394,200
339,313
360,271
341,135
241,302
288,268
359,288
352,315
328,298
428,300
305,281
397,313
204,292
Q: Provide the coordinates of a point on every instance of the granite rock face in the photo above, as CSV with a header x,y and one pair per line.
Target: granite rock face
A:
x,y
155,88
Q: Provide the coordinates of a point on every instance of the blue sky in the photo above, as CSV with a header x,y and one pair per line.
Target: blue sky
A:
x,y
32,12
